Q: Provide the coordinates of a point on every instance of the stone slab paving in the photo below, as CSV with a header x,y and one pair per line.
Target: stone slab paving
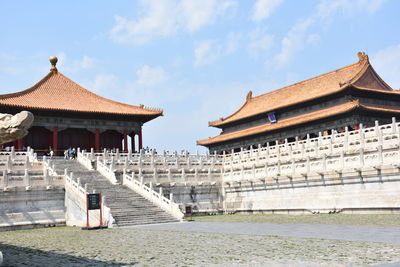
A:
x,y
69,246
322,231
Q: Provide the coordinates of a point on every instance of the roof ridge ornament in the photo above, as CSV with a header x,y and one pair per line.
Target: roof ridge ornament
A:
x,y
249,96
53,61
362,57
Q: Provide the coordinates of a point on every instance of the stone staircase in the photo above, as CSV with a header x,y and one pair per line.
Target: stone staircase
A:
x,y
127,207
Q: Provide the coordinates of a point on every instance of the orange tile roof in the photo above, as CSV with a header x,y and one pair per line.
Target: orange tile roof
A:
x,y
360,74
312,116
57,92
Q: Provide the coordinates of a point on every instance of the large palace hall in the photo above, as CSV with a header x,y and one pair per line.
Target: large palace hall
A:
x,y
68,115
351,96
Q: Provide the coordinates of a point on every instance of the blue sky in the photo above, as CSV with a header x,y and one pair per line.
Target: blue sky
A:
x,y
194,59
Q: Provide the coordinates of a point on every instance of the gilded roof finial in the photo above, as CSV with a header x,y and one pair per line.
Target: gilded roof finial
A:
x,y
53,61
362,56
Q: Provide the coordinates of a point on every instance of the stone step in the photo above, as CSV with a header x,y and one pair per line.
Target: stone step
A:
x,y
127,207
130,222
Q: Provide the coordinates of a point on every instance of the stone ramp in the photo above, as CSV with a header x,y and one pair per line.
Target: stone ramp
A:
x,y
127,207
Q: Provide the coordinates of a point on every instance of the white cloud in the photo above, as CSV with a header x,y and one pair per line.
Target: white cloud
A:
x,y
166,17
150,76
197,14
260,42
64,64
104,82
262,9
292,42
86,62
206,52
62,58
326,10
386,63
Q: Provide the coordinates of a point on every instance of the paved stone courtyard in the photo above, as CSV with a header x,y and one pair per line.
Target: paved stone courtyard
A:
x,y
67,246
336,219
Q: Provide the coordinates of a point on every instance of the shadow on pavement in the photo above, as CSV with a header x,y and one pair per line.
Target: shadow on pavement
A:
x,y
22,256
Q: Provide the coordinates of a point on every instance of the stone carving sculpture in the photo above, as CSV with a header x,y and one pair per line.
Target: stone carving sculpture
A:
x,y
13,127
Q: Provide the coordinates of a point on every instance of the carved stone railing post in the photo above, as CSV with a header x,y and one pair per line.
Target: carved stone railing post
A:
x,y
27,181
394,128
46,177
183,175
266,170
341,160
155,175
361,135
12,152
140,164
112,164
117,154
9,163
330,146
319,138
169,175
293,166
126,163
380,156
5,180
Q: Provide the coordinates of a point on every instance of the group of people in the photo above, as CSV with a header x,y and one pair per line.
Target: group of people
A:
x,y
70,153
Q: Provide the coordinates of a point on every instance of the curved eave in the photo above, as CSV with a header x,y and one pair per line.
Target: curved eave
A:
x,y
30,101
154,115
220,124
364,69
388,92
298,120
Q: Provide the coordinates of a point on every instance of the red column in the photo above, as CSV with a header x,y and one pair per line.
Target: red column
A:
x,y
20,144
133,141
55,140
125,140
140,139
97,140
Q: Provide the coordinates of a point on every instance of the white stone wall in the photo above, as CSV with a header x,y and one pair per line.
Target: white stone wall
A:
x,y
349,171
20,208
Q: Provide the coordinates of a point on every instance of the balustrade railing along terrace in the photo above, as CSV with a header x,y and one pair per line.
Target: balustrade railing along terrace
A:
x,y
350,151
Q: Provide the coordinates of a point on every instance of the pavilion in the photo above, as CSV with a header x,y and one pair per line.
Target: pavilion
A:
x,y
350,97
68,115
